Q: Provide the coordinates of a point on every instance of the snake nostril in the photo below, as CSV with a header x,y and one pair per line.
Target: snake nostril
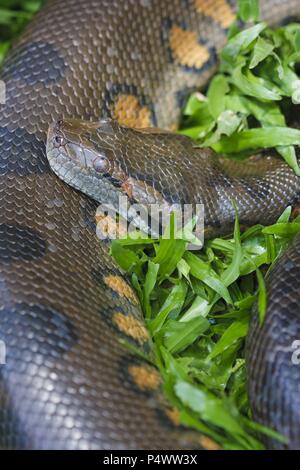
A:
x,y
58,125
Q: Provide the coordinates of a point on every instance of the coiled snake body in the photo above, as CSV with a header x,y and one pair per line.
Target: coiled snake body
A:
x,y
68,383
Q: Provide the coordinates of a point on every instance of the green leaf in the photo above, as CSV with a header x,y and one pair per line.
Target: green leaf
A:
x,y
170,250
125,258
150,281
289,155
258,138
193,105
262,49
6,16
200,270
234,332
199,307
216,95
248,10
179,335
283,229
183,268
227,123
267,113
262,297
285,216
254,86
4,46
259,428
232,272
187,419
197,132
239,43
172,304
209,407
296,92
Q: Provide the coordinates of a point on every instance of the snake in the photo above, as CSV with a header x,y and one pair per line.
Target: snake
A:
x,y
105,80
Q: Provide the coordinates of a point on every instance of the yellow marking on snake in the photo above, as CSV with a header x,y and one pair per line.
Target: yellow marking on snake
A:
x,y
208,443
186,49
120,286
128,112
219,10
131,327
145,377
174,415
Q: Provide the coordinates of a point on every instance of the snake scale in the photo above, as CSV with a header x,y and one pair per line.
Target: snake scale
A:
x,y
68,383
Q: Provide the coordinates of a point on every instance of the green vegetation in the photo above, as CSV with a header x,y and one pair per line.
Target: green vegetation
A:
x,y
14,15
246,103
197,308
197,305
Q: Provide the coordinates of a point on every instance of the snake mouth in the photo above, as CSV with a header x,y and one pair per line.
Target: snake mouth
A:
x,y
51,152
114,181
55,139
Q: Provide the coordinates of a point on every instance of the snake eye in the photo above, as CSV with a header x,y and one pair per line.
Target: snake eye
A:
x,y
101,164
58,140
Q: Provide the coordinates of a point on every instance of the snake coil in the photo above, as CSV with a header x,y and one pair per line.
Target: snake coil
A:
x,y
68,383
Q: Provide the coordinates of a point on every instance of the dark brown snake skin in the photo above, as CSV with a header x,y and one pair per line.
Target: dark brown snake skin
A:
x,y
68,383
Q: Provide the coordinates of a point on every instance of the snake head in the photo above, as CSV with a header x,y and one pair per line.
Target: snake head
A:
x,y
104,160
84,155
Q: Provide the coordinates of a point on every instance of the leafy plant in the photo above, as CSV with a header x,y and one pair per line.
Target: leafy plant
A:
x,y
14,15
244,107
197,308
